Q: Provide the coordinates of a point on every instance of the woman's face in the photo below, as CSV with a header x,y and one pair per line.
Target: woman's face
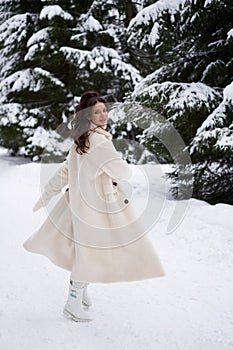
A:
x,y
99,114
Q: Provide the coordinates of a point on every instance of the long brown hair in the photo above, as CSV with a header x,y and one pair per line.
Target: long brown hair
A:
x,y
81,121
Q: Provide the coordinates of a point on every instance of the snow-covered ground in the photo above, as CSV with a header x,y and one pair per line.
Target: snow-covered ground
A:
x,y
189,308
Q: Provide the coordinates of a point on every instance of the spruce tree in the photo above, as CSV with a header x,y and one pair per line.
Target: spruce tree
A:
x,y
212,153
188,55
15,29
63,48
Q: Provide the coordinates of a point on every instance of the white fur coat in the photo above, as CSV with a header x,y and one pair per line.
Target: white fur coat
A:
x,y
93,230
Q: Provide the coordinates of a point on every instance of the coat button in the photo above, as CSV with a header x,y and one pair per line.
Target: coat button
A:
x,y
114,183
126,201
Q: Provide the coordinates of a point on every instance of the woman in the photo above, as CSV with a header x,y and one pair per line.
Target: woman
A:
x,y
93,230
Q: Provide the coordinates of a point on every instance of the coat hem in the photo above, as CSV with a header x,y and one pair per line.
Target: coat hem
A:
x,y
94,280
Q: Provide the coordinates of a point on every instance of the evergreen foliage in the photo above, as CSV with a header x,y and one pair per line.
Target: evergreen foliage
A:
x,y
51,51
187,46
169,61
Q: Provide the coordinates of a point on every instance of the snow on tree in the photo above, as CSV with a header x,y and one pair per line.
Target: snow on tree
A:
x,y
167,60
186,57
216,132
125,129
102,61
51,52
185,105
98,50
212,153
13,30
140,24
51,11
212,156
176,36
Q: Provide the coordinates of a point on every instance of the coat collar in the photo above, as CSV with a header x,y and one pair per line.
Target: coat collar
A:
x,y
100,130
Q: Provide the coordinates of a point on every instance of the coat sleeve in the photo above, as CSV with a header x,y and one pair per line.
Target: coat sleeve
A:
x,y
109,161
53,186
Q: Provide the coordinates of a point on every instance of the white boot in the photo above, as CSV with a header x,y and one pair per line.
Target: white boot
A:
x,y
86,298
73,307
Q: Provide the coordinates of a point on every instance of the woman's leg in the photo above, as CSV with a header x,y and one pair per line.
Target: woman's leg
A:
x,y
74,305
86,297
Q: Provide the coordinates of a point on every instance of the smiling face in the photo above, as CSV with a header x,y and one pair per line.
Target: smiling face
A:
x,y
99,114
